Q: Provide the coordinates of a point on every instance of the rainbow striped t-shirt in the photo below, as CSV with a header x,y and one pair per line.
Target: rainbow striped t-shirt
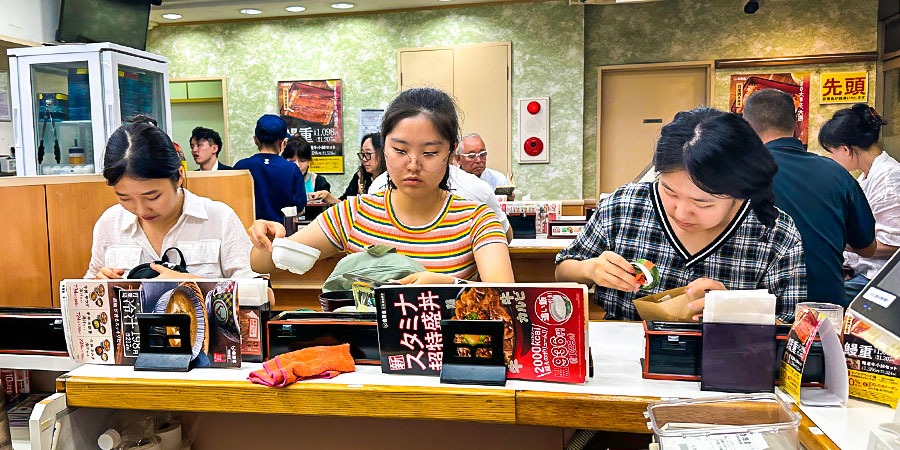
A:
x,y
446,245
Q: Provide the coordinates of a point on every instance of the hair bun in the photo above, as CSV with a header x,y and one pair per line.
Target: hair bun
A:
x,y
871,117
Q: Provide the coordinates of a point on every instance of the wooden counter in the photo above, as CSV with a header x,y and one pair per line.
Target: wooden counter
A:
x,y
613,400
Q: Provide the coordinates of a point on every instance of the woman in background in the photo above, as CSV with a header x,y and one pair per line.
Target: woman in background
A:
x,y
371,165
298,151
852,139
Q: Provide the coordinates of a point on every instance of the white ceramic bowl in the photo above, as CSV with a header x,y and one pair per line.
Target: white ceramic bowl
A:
x,y
293,256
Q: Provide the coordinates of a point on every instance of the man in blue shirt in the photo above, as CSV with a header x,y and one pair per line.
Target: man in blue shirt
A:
x,y
826,203
277,182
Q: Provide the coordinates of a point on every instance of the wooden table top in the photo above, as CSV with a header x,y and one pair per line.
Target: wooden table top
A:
x,y
613,400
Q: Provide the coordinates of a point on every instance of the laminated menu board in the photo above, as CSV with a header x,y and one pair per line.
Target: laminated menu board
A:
x,y
545,332
100,318
874,375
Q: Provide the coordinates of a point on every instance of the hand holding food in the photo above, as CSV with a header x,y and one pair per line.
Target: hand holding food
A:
x,y
612,271
263,232
697,289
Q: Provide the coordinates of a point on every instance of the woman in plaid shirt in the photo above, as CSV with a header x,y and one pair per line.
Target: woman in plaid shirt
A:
x,y
708,222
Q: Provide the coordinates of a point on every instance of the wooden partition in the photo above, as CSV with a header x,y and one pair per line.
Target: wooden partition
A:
x,y
25,263
49,230
72,210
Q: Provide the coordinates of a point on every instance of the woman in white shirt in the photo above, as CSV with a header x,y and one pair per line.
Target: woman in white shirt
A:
x,y
155,212
852,139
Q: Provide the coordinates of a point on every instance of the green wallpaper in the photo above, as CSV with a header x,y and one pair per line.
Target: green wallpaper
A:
x,y
547,44
556,51
693,30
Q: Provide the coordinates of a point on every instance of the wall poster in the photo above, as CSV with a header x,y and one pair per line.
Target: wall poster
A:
x,y
845,87
796,84
313,109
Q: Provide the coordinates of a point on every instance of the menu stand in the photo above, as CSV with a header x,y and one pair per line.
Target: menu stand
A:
x,y
477,367
165,342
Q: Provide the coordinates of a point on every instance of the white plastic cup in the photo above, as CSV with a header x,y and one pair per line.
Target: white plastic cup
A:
x,y
834,313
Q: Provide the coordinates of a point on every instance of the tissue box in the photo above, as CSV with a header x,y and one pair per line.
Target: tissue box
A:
x,y
738,357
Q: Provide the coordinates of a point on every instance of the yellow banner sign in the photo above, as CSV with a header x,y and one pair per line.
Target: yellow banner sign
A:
x,y
875,387
845,87
327,164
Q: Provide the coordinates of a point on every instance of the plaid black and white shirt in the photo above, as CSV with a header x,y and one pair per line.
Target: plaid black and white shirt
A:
x,y
632,223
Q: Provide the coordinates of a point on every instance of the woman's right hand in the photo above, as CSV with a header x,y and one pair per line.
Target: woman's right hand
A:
x,y
108,273
324,196
612,271
263,232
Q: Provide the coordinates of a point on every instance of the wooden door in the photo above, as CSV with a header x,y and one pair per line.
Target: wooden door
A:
x,y
481,86
634,105
25,266
427,68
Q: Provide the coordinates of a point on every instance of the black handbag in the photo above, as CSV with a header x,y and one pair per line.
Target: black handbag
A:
x,y
143,271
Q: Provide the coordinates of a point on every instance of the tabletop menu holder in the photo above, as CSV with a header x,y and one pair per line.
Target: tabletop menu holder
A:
x,y
466,362
165,342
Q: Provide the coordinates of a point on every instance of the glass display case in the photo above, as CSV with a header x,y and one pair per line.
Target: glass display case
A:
x,y
67,100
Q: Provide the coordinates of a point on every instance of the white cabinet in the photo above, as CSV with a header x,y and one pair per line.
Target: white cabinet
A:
x,y
67,100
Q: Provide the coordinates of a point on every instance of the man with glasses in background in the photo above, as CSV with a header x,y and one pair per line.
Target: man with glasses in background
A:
x,y
471,155
462,184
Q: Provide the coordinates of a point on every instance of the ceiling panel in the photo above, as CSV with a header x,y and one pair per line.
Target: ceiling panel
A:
x,y
214,10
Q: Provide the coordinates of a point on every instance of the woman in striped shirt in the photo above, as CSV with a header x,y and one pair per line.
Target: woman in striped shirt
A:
x,y
453,238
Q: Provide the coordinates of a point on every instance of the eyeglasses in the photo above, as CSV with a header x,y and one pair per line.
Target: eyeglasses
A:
x,y
364,156
428,161
473,156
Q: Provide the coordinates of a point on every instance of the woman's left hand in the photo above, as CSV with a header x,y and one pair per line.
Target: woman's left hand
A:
x,y
697,289
166,273
427,278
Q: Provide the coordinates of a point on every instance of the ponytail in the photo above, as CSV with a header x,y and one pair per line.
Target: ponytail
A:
x,y
762,202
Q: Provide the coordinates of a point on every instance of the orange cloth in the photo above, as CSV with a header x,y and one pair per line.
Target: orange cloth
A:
x,y
313,362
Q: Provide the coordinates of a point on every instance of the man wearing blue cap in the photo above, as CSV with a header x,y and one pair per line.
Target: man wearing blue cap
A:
x,y
277,182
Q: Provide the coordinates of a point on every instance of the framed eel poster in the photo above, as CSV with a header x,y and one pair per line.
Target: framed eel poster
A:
x,y
312,108
795,84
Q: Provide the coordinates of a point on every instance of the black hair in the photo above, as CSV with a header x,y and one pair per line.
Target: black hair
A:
x,y
723,156
858,126
432,103
771,110
143,118
140,150
208,135
366,178
271,144
297,147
